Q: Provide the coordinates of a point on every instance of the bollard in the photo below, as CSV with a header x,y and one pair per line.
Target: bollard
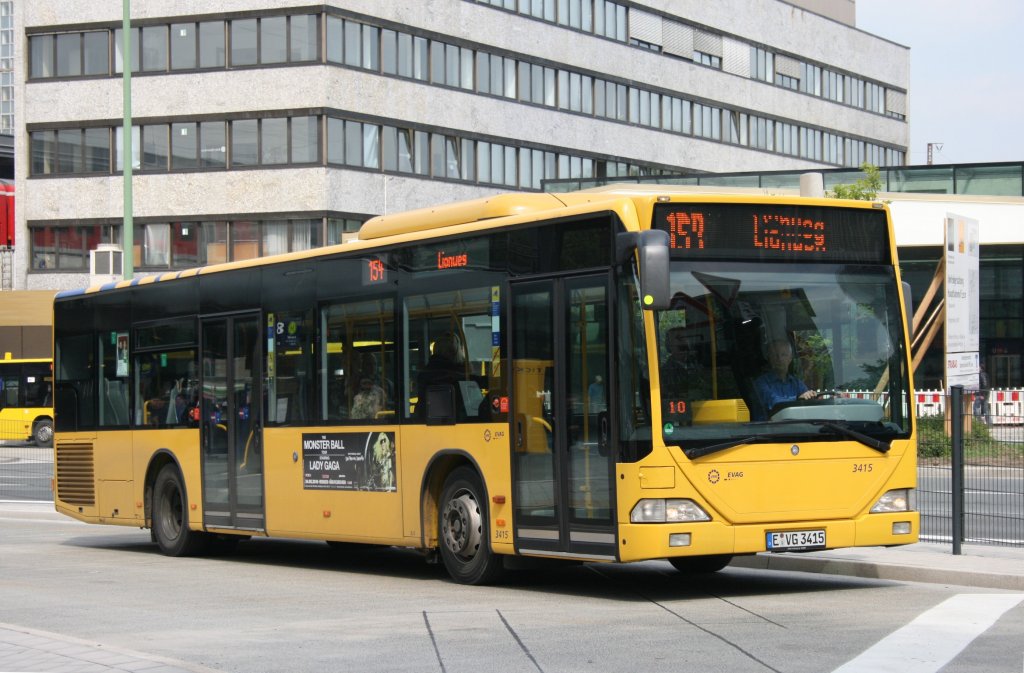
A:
x,y
956,417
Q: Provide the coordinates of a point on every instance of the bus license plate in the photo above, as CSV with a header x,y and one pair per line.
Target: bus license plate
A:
x,y
795,540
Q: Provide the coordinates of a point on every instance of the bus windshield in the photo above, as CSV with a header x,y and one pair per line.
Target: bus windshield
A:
x,y
752,352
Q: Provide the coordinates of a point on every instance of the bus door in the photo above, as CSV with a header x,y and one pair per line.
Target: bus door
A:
x,y
562,469
230,422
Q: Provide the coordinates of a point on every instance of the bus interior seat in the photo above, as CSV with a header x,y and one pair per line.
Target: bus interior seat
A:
x,y
439,404
115,402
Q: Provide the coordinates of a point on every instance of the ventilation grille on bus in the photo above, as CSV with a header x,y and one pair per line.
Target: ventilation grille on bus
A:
x,y
75,479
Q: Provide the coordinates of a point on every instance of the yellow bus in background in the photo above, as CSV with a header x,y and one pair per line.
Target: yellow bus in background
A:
x,y
26,412
573,376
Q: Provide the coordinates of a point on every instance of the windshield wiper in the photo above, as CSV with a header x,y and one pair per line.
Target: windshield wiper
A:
x,y
844,430
847,431
707,449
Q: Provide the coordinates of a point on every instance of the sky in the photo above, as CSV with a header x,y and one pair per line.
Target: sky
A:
x,y
966,74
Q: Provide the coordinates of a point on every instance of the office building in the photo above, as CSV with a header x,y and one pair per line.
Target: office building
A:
x,y
261,127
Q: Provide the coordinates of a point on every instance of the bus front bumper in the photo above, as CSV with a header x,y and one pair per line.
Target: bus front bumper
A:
x,y
638,542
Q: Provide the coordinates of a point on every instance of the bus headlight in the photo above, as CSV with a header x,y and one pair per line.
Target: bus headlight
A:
x,y
660,510
898,500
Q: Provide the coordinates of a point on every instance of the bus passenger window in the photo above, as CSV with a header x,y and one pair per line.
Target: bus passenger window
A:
x,y
450,350
357,361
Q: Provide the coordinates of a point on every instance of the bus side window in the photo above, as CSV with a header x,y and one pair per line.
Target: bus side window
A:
x,y
9,394
37,385
357,361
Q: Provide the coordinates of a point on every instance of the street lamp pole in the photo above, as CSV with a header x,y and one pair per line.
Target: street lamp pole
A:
x,y
127,232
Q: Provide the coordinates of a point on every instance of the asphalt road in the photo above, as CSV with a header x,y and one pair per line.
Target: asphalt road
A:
x,y
299,606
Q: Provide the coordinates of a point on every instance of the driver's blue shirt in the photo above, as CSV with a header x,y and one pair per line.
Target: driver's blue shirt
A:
x,y
772,390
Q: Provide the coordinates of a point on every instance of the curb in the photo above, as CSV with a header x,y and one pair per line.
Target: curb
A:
x,y
882,571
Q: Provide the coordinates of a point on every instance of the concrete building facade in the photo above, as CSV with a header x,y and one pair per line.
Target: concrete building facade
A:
x,y
262,127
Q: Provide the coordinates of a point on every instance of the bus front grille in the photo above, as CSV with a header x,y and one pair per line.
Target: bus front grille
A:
x,y
75,479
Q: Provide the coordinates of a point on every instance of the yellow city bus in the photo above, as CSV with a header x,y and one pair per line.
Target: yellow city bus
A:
x,y
492,379
26,412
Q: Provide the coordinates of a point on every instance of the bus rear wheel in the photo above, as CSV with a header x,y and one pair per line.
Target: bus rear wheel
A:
x,y
170,516
463,530
697,565
42,433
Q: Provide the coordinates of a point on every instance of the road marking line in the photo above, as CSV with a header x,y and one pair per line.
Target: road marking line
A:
x,y
933,639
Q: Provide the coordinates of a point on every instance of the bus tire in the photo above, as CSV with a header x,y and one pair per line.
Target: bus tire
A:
x,y
699,565
463,530
42,433
170,516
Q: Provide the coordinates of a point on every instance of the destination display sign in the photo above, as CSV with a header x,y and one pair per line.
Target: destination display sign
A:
x,y
767,232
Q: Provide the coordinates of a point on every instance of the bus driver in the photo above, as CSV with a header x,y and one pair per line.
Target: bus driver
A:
x,y
778,385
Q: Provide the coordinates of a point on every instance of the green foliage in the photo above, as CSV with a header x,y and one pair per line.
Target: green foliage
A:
x,y
932,441
815,354
864,189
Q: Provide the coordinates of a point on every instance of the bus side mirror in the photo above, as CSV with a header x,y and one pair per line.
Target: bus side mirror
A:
x,y
652,249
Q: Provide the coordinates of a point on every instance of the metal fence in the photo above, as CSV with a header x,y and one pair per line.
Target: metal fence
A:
x,y
969,490
971,467
26,471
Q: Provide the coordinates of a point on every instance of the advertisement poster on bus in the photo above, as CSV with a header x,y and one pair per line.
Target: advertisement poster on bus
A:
x,y
962,294
349,461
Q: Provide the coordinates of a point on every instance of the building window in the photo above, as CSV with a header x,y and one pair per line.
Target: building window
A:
x,y
155,152
212,145
244,37
184,145
707,59
810,82
274,141
212,44
245,142
154,48
183,46
833,85
69,55
762,64
41,57
342,230
70,151
273,39
353,143
66,248
305,140
645,45
787,82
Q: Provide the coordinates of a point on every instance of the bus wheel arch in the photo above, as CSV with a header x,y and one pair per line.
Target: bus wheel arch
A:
x,y
434,478
42,431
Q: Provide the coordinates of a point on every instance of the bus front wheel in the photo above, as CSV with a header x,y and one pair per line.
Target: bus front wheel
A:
x,y
42,433
463,530
170,516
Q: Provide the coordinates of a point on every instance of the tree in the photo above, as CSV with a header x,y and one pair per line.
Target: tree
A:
x,y
864,189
